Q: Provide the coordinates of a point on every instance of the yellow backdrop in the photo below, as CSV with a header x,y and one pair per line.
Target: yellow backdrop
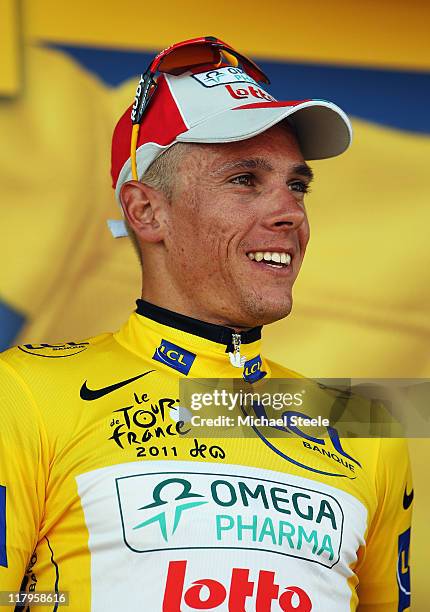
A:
x,y
362,300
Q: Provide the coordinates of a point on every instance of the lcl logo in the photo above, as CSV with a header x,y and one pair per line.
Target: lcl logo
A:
x,y
338,455
252,370
174,356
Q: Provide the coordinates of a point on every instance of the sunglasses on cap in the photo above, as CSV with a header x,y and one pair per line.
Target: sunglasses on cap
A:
x,y
176,60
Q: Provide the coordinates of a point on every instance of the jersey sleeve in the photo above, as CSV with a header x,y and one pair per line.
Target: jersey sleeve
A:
x,y
384,576
23,468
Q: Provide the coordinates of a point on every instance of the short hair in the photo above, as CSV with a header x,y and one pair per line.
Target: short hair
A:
x,y
160,175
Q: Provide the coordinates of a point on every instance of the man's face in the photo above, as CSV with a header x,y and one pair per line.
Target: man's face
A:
x,y
231,203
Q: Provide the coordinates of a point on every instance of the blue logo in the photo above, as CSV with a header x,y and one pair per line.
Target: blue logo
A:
x,y
174,356
252,370
276,443
3,555
403,571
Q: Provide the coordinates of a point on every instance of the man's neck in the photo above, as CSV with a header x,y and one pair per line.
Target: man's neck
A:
x,y
182,308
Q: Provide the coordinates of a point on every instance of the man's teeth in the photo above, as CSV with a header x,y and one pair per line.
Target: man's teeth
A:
x,y
279,258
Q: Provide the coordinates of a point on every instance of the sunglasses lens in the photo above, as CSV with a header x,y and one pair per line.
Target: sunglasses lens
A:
x,y
229,58
184,58
187,57
250,68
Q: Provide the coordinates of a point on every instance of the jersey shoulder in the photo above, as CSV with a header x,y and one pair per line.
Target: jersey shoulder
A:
x,y
38,365
36,354
44,379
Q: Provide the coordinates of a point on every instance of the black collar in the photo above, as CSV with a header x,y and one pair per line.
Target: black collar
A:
x,y
210,331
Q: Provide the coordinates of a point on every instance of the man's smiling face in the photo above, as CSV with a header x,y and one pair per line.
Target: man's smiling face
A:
x,y
237,229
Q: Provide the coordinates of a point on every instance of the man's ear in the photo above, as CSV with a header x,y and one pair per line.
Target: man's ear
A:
x,y
144,209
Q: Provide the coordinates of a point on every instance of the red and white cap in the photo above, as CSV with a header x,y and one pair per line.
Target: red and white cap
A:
x,y
221,105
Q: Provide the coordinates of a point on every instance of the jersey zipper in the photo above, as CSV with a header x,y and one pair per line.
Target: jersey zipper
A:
x,y
236,359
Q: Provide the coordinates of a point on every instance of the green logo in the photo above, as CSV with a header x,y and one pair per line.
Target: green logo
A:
x,y
174,510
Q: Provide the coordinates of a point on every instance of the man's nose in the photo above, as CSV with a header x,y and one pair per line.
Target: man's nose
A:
x,y
283,211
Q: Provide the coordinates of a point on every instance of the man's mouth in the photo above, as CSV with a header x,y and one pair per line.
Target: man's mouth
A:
x,y
274,259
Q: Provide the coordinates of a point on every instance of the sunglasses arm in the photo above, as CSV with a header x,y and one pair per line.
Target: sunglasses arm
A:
x,y
141,101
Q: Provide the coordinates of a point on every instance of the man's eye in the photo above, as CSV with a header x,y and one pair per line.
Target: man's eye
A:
x,y
299,186
243,179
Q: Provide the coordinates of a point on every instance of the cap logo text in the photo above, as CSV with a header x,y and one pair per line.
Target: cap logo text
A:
x,y
246,92
223,76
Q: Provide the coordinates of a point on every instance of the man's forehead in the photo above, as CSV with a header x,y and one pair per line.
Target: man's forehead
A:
x,y
275,149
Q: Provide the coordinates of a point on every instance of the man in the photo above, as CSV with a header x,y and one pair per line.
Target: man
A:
x,y
108,492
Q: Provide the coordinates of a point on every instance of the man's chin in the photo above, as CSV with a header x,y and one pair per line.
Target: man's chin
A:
x,y
266,310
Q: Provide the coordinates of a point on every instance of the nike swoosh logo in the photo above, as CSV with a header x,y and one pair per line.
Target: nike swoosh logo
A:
x,y
92,394
407,498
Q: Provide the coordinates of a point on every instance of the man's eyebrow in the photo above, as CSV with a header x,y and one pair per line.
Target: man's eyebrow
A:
x,y
252,163
259,163
304,170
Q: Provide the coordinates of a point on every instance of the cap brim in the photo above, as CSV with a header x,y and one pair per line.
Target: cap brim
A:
x,y
323,129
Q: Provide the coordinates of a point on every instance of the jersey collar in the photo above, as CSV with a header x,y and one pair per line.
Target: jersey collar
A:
x,y
209,331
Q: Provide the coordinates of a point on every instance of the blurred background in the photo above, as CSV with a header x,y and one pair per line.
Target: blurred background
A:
x,y
67,72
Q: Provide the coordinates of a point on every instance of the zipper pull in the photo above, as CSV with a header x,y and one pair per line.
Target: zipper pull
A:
x,y
236,359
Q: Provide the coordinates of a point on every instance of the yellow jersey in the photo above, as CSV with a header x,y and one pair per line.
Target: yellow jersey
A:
x,y
109,494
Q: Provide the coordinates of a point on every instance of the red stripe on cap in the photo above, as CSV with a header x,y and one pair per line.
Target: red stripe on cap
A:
x,y
271,104
161,124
